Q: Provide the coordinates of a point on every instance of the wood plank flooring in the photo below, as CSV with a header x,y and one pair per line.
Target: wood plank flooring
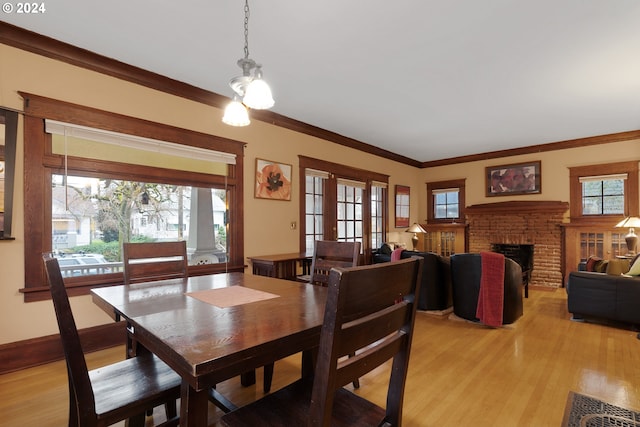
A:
x,y
461,374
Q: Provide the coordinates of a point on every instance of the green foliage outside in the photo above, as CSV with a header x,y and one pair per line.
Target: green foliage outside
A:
x,y
110,250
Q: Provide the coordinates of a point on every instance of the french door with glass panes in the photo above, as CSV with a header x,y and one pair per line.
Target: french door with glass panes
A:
x,y
342,203
334,208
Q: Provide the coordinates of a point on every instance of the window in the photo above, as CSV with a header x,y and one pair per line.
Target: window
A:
x,y
342,203
83,207
604,192
350,214
603,195
314,191
378,190
91,217
445,201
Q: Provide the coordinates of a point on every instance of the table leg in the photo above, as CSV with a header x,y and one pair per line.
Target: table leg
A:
x,y
248,378
309,358
193,406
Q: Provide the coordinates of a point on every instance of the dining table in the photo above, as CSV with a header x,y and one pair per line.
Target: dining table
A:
x,y
214,327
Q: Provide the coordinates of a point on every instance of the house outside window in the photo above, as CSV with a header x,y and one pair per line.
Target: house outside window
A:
x,y
98,214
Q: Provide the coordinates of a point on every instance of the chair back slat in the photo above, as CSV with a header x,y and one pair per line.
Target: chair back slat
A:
x,y
360,301
356,335
79,383
151,261
328,254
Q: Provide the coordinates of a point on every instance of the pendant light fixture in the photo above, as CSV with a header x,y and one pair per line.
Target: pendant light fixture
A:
x,y
250,91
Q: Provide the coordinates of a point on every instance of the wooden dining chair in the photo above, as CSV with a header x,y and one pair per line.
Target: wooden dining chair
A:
x,y
149,261
371,309
328,254
152,261
107,395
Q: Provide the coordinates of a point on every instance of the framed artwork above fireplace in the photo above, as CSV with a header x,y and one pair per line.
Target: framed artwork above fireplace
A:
x,y
509,180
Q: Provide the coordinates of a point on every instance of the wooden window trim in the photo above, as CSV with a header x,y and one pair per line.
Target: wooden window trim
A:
x,y
40,163
631,203
337,170
438,185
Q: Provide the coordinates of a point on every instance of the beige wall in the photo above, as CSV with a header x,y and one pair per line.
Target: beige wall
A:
x,y
267,223
554,168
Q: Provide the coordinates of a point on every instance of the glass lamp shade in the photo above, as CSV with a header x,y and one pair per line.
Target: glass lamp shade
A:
x,y
236,114
258,95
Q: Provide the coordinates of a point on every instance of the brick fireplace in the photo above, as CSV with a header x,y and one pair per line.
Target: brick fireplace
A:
x,y
522,222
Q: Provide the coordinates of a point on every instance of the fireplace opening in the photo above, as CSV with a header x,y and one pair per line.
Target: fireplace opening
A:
x,y
520,253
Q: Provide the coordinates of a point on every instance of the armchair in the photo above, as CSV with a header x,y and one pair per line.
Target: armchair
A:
x,y
466,271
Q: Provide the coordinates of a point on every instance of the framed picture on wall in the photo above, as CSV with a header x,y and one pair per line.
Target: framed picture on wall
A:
x,y
508,180
402,206
273,180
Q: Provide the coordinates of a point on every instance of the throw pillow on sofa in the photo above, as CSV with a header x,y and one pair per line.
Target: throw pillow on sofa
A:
x,y
616,267
601,266
635,268
591,263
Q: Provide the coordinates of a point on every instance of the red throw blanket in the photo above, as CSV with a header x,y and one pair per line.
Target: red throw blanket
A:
x,y
491,296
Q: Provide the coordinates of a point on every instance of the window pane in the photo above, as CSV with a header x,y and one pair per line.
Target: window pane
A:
x,y
446,205
91,217
604,197
613,187
613,204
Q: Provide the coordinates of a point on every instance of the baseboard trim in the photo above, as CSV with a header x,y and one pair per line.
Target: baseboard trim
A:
x,y
37,351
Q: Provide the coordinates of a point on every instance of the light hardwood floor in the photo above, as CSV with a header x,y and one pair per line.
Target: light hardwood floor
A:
x,y
461,374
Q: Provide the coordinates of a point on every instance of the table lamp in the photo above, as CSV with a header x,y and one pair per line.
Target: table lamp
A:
x,y
415,229
632,239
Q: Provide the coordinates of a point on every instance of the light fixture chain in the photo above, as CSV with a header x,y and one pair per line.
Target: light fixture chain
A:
x,y
246,29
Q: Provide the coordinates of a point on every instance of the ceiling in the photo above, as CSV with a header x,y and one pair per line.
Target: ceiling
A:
x,y
427,79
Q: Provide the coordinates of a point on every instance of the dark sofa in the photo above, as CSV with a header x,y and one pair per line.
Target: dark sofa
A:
x,y
435,284
604,296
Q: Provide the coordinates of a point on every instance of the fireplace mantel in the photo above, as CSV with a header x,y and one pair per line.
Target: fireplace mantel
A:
x,y
518,206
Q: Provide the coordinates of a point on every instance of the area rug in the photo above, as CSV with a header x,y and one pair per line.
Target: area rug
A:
x,y
586,411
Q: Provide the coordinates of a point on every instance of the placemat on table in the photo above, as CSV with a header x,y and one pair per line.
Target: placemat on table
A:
x,y
231,296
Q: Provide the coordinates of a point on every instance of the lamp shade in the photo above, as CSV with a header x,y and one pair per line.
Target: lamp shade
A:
x,y
629,222
236,114
258,95
416,228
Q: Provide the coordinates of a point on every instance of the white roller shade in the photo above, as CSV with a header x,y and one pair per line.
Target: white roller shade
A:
x,y
138,142
445,190
352,183
316,173
602,177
